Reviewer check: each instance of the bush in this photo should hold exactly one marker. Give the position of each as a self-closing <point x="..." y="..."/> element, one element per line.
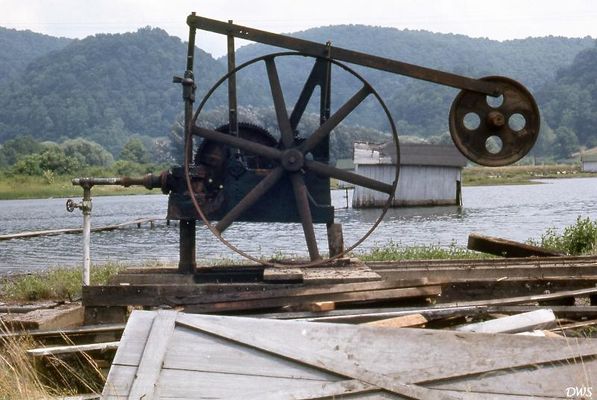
<point x="577" y="239"/>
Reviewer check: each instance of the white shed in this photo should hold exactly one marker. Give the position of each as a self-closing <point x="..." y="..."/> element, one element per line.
<point x="588" y="161"/>
<point x="430" y="175"/>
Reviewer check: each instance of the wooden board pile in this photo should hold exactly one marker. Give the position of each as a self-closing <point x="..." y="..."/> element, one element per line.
<point x="168" y="355"/>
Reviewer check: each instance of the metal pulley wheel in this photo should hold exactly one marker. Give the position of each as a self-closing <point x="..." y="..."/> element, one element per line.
<point x="495" y="131"/>
<point x="292" y="157"/>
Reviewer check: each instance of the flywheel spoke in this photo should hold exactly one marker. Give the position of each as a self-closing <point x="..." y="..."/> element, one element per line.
<point x="325" y="129"/>
<point x="239" y="143"/>
<point x="302" y="205"/>
<point x="346" y="176"/>
<point x="279" y="104"/>
<point x="250" y="198"/>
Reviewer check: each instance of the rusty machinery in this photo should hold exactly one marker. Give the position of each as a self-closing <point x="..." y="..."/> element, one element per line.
<point x="240" y="172"/>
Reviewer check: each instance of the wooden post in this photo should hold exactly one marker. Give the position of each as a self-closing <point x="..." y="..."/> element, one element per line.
<point x="335" y="239"/>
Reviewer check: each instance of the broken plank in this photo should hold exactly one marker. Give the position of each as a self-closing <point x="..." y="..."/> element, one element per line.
<point x="322" y="306"/>
<point x="399" y="322"/>
<point x="64" y="316"/>
<point x="80" y="348"/>
<point x="349" y="297"/>
<point x="538" y="319"/>
<point x="506" y="248"/>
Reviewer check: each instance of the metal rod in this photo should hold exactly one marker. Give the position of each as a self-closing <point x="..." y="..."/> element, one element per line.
<point x="335" y="119"/>
<point x="350" y="56"/>
<point x="239" y="143"/>
<point x="346" y="176"/>
<point x="86" y="208"/>
<point x="232" y="103"/>
<point x="279" y="104"/>
<point x="304" y="211"/>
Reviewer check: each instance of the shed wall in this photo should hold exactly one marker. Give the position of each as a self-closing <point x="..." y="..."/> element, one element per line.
<point x="417" y="186"/>
<point x="589" y="166"/>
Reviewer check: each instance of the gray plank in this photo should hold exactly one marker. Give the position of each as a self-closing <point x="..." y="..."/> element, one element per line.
<point x="551" y="380"/>
<point x="118" y="383"/>
<point x="215" y="354"/>
<point x="412" y="355"/>
<point x="144" y="386"/>
<point x="206" y="385"/>
<point x="315" y="350"/>
<point x="133" y="338"/>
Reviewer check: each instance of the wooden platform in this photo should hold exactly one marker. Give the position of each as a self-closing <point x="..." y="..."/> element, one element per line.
<point x="167" y="354"/>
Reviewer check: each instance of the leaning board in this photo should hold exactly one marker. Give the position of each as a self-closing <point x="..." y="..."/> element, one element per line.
<point x="171" y="355"/>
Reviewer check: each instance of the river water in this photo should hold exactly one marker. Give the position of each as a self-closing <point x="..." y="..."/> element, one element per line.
<point x="513" y="212"/>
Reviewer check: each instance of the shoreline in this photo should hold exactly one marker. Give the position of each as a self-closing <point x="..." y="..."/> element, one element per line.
<point x="28" y="187"/>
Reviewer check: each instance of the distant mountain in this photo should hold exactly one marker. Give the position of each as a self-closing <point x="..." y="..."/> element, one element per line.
<point x="570" y="103"/>
<point x="19" y="48"/>
<point x="108" y="87"/>
<point x="104" y="87"/>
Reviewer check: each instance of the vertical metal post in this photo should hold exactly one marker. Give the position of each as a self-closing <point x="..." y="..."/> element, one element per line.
<point x="187" y="229"/>
<point x="86" y="209"/>
<point x="232" y="105"/>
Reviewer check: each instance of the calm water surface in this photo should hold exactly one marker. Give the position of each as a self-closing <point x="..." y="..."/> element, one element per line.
<point x="514" y="212"/>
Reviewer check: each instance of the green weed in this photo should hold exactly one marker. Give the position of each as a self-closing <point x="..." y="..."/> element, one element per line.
<point x="577" y="239"/>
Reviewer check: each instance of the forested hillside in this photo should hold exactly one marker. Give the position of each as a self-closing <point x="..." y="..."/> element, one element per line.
<point x="111" y="87"/>
<point x="421" y="108"/>
<point x="19" y="48"/>
<point x="570" y="103"/>
<point x="104" y="88"/>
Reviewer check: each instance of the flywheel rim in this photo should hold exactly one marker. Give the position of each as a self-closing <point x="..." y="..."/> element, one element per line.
<point x="195" y="129"/>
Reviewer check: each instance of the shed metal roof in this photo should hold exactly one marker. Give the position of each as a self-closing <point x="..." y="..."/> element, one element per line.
<point x="446" y="155"/>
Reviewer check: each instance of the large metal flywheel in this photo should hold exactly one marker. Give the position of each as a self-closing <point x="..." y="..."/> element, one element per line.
<point x="280" y="179"/>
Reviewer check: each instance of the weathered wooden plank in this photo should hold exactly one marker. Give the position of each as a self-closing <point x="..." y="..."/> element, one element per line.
<point x="53" y="232"/>
<point x="189" y="384"/>
<point x="25" y="308"/>
<point x="133" y="338"/>
<point x="487" y="262"/>
<point x="64" y="316"/>
<point x="118" y="382"/>
<point x="399" y="322"/>
<point x="549" y="381"/>
<point x="145" y="384"/>
<point x="318" y="358"/>
<point x="506" y="248"/>
<point x="155" y="295"/>
<point x="374" y="295"/>
<point x="322" y="306"/>
<point x="81" y="348"/>
<point x="420" y="360"/>
<point x="80" y="335"/>
<point x="213" y="354"/>
<point x="538" y="319"/>
<point x="470" y="307"/>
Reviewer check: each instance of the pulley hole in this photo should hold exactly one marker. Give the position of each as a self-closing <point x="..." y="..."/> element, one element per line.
<point x="494" y="144"/>
<point x="495" y="102"/>
<point x="517" y="122"/>
<point x="471" y="121"/>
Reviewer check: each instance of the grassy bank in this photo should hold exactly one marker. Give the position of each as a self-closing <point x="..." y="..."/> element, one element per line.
<point x="43" y="187"/>
<point x="520" y="174"/>
<point x="37" y="187"/>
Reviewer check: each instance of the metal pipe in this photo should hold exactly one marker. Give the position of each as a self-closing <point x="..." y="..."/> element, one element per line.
<point x="86" y="208"/>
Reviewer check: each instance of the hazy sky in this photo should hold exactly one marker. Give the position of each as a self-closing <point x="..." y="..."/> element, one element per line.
<point x="503" y="19"/>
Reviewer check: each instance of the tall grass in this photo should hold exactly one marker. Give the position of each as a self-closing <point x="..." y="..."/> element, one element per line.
<point x="61" y="283"/>
<point x="25" y="377"/>
<point x="577" y="239"/>
<point x="394" y="251"/>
